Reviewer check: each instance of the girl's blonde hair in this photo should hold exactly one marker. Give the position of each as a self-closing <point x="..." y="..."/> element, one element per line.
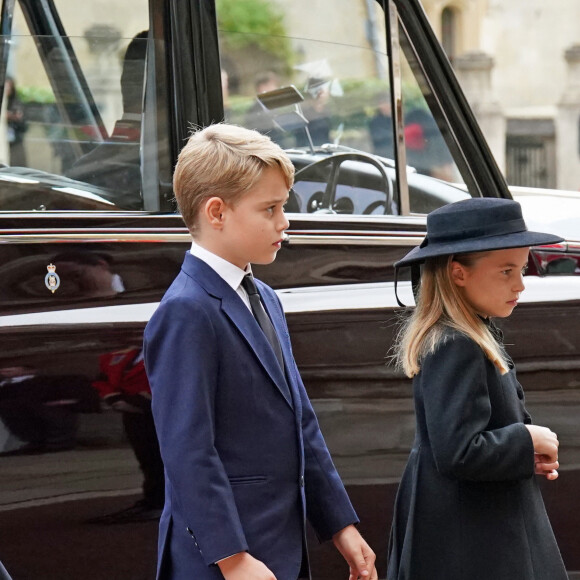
<point x="224" y="161"/>
<point x="441" y="305"/>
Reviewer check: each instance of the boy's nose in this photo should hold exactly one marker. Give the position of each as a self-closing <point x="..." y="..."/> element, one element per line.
<point x="520" y="286"/>
<point x="284" y="223"/>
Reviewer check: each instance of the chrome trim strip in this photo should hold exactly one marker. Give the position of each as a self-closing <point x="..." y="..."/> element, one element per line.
<point x="304" y="217"/>
<point x="41" y="231"/>
<point x="416" y="219"/>
<point x="75" y="214"/>
<point x="301" y="237"/>
<point x="353" y="240"/>
<point x="354" y="233"/>
<point x="42" y="238"/>
<point x="158" y="235"/>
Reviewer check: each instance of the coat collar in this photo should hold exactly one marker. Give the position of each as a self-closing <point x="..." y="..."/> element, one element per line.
<point x="235" y="309"/>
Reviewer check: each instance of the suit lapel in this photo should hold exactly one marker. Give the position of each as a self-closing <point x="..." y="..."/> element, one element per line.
<point x="235" y="309"/>
<point x="239" y="314"/>
<point x="276" y="314"/>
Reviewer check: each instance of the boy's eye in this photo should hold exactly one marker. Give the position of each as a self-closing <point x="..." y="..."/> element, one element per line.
<point x="525" y="270"/>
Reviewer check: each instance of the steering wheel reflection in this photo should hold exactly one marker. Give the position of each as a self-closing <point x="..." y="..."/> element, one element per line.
<point x="331" y="171"/>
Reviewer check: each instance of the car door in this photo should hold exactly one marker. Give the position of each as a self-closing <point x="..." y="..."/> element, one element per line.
<point x="379" y="133"/>
<point x="355" y="209"/>
<point x="389" y="142"/>
<point x="88" y="241"/>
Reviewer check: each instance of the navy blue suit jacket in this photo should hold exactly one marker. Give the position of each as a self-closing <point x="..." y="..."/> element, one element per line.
<point x="244" y="464"/>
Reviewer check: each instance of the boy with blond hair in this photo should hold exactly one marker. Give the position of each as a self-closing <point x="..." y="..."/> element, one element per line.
<point x="244" y="457"/>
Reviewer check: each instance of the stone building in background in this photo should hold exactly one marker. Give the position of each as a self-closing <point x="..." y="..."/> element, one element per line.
<point x="519" y="64"/>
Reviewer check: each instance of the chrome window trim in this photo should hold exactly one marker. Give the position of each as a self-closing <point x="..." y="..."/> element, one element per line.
<point x="418" y="219"/>
<point x="395" y="77"/>
<point x="414" y="219"/>
<point x="76" y="214"/>
<point x="301" y="237"/>
<point x="354" y="239"/>
<point x="44" y="238"/>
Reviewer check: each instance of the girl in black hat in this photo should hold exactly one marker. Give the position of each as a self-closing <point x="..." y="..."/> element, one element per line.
<point x="469" y="506"/>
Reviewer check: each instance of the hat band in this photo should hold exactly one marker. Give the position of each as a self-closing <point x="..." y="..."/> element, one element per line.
<point x="507" y="227"/>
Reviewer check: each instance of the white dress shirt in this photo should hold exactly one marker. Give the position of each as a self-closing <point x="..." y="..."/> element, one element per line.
<point x="230" y="273"/>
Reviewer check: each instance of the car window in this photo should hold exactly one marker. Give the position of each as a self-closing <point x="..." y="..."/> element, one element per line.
<point x="426" y="131"/>
<point x="339" y="82"/>
<point x="322" y="92"/>
<point x="72" y="120"/>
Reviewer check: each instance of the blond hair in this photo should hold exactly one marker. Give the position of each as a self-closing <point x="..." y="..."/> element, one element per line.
<point x="441" y="306"/>
<point x="223" y="161"/>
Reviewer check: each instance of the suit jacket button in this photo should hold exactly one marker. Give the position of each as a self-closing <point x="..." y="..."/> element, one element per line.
<point x="301" y="480"/>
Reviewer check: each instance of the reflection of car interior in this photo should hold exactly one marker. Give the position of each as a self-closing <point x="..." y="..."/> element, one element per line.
<point x="116" y="163"/>
<point x="25" y="188"/>
<point x="107" y="175"/>
<point x="361" y="184"/>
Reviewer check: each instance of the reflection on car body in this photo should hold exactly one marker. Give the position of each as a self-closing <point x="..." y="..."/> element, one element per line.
<point x="117" y="246"/>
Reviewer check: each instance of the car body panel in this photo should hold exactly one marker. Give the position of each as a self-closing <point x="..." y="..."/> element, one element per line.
<point x="334" y="276"/>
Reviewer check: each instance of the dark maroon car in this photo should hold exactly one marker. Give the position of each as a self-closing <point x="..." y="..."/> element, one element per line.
<point x="367" y="106"/>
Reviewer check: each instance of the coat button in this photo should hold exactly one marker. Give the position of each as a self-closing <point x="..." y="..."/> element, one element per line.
<point x="301" y="481"/>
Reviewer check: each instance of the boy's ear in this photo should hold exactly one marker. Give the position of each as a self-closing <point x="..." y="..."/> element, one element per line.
<point x="213" y="211"/>
<point x="457" y="273"/>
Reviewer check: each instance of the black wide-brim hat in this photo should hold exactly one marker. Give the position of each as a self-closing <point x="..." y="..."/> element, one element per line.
<point x="475" y="225"/>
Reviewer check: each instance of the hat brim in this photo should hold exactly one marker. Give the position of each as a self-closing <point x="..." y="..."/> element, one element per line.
<point x="503" y="242"/>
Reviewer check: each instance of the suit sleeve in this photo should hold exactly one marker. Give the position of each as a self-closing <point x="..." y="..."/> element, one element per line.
<point x="328" y="507"/>
<point x="182" y="365"/>
<point x="453" y="382"/>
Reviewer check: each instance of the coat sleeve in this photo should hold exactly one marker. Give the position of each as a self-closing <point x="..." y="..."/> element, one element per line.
<point x="328" y="507"/>
<point x="181" y="358"/>
<point x="453" y="383"/>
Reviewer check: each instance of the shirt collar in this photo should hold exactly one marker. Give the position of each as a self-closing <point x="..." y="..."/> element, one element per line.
<point x="229" y="272"/>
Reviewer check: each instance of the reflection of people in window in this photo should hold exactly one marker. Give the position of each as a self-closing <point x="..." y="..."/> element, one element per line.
<point x="115" y="165"/>
<point x="381" y="128"/>
<point x="16" y="124"/>
<point x="426" y="149"/>
<point x="259" y="117"/>
<point x="315" y="109"/>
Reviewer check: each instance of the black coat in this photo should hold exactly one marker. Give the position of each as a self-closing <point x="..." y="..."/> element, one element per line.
<point x="469" y="506"/>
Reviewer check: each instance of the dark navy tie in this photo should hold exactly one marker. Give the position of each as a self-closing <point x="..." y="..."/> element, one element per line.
<point x="262" y="317"/>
